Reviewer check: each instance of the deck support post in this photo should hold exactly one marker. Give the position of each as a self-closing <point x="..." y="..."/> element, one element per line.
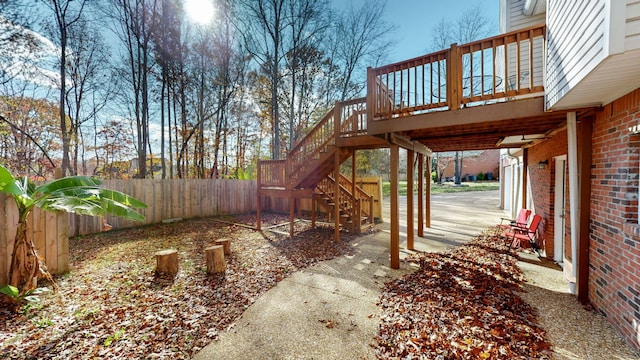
<point x="259" y="203"/>
<point x="357" y="214"/>
<point x="394" y="246"/>
<point x="410" y="227"/>
<point x="420" y="194"/>
<point x="525" y="176"/>
<point x="427" y="195"/>
<point x="314" y="203"/>
<point x="292" y="207"/>
<point x="585" y="129"/>
<point x="336" y="194"/>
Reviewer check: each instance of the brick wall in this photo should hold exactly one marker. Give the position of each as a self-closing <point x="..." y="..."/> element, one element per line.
<point x="486" y="161"/>
<point x="614" y="278"/>
<point x="614" y="250"/>
<point x="542" y="185"/>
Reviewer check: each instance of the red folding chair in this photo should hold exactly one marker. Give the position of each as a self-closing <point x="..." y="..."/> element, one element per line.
<point x="520" y="221"/>
<point x="520" y="236"/>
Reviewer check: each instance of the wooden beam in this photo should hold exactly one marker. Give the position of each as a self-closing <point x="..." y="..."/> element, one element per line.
<point x="362" y="142"/>
<point x="420" y="195"/>
<point x="585" y="128"/>
<point x="394" y="246"/>
<point x="510" y="110"/>
<point x="406" y="143"/>
<point x="410" y="228"/>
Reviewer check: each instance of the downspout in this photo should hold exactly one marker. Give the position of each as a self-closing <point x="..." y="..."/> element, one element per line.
<point x="515" y="189"/>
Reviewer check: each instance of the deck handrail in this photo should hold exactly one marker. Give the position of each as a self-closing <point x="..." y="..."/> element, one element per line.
<point x="365" y="199"/>
<point x="498" y="68"/>
<point x="272" y="173"/>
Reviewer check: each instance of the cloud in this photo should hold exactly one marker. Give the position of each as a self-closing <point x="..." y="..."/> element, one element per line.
<point x="27" y="55"/>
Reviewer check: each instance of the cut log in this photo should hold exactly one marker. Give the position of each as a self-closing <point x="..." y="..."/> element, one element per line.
<point x="215" y="259"/>
<point x="167" y="262"/>
<point x="226" y="244"/>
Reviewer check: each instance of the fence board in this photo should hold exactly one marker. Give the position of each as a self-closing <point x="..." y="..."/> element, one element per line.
<point x="5" y="256"/>
<point x="51" y="239"/>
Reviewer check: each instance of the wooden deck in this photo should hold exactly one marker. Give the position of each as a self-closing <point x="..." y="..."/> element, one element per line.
<point x="467" y="97"/>
<point x="482" y="95"/>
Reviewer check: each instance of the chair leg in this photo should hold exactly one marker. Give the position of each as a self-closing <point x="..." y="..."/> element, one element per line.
<point x="515" y="243"/>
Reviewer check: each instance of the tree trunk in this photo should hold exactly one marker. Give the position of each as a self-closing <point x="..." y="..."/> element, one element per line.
<point x="167" y="262"/>
<point x="24" y="261"/>
<point x="215" y="259"/>
<point x="226" y="245"/>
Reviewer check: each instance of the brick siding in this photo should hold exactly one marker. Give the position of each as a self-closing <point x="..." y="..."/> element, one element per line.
<point x="542" y="183"/>
<point x="614" y="278"/>
<point x="614" y="232"/>
<point x="486" y="161"/>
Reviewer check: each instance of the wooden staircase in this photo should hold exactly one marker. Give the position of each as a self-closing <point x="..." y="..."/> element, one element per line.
<point x="355" y="206"/>
<point x="310" y="167"/>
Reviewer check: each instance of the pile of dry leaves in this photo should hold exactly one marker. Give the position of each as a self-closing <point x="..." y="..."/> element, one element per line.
<point x="461" y="304"/>
<point x="112" y="305"/>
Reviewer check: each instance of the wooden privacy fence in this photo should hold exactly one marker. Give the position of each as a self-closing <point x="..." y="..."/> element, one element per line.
<point x="166" y="199"/>
<point x="174" y="198"/>
<point x="48" y="231"/>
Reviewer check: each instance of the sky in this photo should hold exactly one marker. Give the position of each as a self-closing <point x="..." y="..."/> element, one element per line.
<point x="414" y="21"/>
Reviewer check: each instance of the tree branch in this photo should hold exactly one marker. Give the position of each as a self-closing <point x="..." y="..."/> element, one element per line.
<point x="30" y="138"/>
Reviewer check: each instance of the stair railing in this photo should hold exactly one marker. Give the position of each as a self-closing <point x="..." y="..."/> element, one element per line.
<point x="310" y="147"/>
<point x="360" y="196"/>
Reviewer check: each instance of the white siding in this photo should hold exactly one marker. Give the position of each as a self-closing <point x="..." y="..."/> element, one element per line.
<point x="515" y="19"/>
<point x="576" y="43"/>
<point x="632" y="26"/>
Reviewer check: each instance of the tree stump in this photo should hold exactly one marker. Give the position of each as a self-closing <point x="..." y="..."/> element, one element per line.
<point x="215" y="259"/>
<point x="226" y="244"/>
<point x="167" y="262"/>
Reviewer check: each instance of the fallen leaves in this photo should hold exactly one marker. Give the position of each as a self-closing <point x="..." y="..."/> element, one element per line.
<point x="460" y="304"/>
<point x="112" y="305"/>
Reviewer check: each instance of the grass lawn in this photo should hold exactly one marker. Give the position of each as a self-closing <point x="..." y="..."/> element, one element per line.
<point x="444" y="188"/>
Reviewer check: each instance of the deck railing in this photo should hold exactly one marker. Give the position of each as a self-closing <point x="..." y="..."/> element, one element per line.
<point x="272" y="173"/>
<point x="353" y="117"/>
<point x="494" y="69"/>
<point x="360" y="195"/>
<point x="353" y="122"/>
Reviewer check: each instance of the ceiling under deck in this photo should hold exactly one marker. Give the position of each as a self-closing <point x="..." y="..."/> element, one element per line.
<point x="487" y="135"/>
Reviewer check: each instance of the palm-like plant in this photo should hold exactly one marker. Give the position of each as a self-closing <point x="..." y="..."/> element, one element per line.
<point x="75" y="194"/>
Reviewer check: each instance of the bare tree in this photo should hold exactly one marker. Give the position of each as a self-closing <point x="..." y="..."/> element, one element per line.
<point x="363" y="36"/>
<point x="133" y="20"/>
<point x="308" y="21"/>
<point x="66" y="14"/>
<point x="263" y="25"/>
<point x="89" y="84"/>
<point x="471" y="25"/>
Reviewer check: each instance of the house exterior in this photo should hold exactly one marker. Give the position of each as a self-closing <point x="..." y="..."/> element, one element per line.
<point x="583" y="177"/>
<point x="473" y="163"/>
